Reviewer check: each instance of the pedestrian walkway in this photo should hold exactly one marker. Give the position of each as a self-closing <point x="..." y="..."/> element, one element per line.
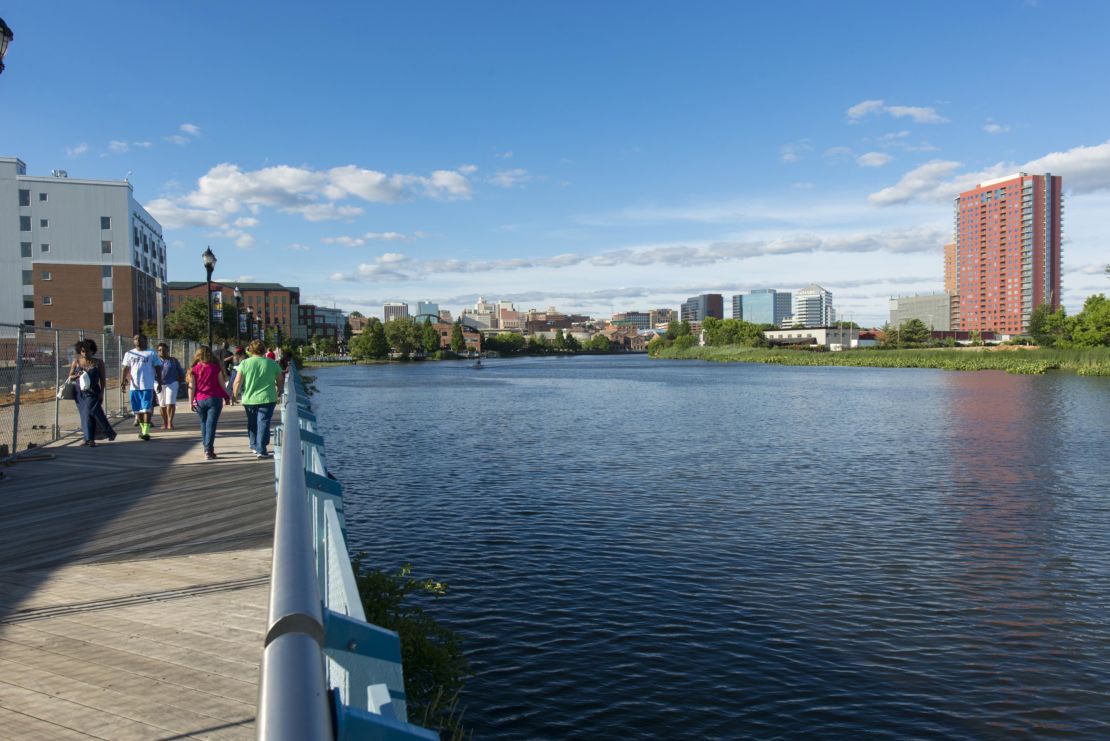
<point x="133" y="587"/>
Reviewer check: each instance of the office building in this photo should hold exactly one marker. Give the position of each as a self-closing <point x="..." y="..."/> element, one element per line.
<point x="698" y="308"/>
<point x="764" y="306"/>
<point x="661" y="316"/>
<point x="394" y="310"/>
<point x="271" y="306"/>
<point x="427" y="309"/>
<point x="813" y="307"/>
<point x="1008" y="251"/>
<point x="637" y="319"/>
<point x="77" y="254"/>
<point x="934" y="311"/>
<point x="323" y="321"/>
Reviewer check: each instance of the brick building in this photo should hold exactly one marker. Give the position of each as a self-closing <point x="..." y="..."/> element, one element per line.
<point x="275" y="305"/>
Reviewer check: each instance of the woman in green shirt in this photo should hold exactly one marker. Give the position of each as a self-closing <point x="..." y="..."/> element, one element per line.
<point x="259" y="380"/>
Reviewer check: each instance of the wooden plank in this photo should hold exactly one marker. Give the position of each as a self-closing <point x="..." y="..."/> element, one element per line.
<point x="27" y="728"/>
<point x="141" y="708"/>
<point x="75" y="716"/>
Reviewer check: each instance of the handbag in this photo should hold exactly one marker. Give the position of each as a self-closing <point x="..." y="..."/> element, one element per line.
<point x="67" y="391"/>
<point x="83" y="381"/>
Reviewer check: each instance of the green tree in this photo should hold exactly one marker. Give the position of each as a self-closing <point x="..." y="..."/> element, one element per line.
<point x="571" y="343"/>
<point x="656" y="344"/>
<point x="1091" y="326"/>
<point x="599" y="343"/>
<point x="732" y="332"/>
<point x="559" y="342"/>
<point x="685" y="341"/>
<point x="458" y="341"/>
<point x="914" y="333"/>
<point x="327" y="346"/>
<point x="429" y="336"/>
<point x="403" y="336"/>
<point x="507" y="343"/>
<point x="538" y="344"/>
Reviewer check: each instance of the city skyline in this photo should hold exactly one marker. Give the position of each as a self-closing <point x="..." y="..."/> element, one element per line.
<point x="443" y="152"/>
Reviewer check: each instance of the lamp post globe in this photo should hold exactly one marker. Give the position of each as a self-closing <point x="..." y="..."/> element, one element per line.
<point x="238" y="313"/>
<point x="6" y="36"/>
<point x="209" y="265"/>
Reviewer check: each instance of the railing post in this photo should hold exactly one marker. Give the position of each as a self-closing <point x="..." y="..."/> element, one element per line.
<point x="119" y="374"/>
<point x="18" y="384"/>
<point x="57" y="383"/>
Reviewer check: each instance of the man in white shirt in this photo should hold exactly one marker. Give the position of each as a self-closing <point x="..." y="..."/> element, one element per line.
<point x="142" y="368"/>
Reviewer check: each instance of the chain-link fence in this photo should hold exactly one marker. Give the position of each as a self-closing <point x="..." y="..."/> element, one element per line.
<point x="35" y="361"/>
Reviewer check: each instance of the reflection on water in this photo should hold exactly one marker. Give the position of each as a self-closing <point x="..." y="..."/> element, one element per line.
<point x="706" y="550"/>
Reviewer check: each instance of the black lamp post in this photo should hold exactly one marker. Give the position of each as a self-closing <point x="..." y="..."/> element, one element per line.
<point x="6" y="36"/>
<point x="238" y="312"/>
<point x="250" y="323"/>
<point x="209" y="266"/>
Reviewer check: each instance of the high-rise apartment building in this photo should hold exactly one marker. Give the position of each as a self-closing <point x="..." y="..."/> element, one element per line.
<point x="697" y="308"/>
<point x="950" y="268"/>
<point x="813" y="307"/>
<point x="1007" y="261"/>
<point x="80" y="254"/>
<point x="763" y="306"/>
<point x="934" y="311"/>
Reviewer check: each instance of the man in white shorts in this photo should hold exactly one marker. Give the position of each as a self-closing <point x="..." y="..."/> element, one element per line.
<point x="172" y="375"/>
<point x="143" y="370"/>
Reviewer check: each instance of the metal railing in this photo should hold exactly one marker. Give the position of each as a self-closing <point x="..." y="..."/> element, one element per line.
<point x="34" y="362"/>
<point x="326" y="673"/>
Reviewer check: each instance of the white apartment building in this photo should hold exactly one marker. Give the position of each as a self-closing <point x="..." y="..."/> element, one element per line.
<point x="80" y="254"/>
<point x="813" y="307"/>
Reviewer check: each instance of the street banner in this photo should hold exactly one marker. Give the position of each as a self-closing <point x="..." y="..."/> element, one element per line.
<point x="217" y="306"/>
<point x="243" y="323"/>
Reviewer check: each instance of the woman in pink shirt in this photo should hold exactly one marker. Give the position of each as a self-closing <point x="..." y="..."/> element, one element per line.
<point x="207" y="393"/>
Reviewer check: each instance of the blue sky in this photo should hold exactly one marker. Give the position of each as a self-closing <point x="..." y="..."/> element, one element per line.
<point x="591" y="156"/>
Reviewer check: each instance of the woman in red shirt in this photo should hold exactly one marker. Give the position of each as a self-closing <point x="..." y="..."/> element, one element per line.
<point x="207" y="394"/>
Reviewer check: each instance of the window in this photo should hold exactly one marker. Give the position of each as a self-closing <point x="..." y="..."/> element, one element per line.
<point x="28" y="302"/>
<point x="44" y="247"/>
<point x="25" y="249"/>
<point x="46" y="275"/>
<point x="24" y="223"/>
<point x="44" y="223"/>
<point x="107" y="319"/>
<point x="28" y="322"/>
<point x="136" y="229"/>
<point x="24" y="197"/>
<point x="105" y="246"/>
<point x="106" y="271"/>
<point x="44" y="197"/>
<point x="28" y="277"/>
<point x="47" y="301"/>
<point x="107" y="294"/>
<point x="105" y="222"/>
<point x="48" y="324"/>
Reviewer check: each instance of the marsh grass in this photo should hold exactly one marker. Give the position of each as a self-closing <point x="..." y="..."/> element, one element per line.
<point x="1086" y="362"/>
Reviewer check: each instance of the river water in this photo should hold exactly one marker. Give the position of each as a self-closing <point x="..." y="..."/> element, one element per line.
<point x="671" y="549"/>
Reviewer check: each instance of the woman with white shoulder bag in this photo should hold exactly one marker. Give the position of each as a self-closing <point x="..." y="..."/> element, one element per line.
<point x="88" y="377"/>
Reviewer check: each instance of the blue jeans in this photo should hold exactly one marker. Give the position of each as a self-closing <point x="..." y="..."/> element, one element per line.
<point x="209" y="412"/>
<point x="258" y="425"/>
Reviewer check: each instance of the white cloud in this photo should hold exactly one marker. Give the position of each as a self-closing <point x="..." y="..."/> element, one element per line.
<point x="297" y="247"/>
<point x="1084" y="169"/>
<point x="348" y="241"/>
<point x="873" y="159"/>
<point x="919" y="114"/>
<point x="996" y="128"/>
<point x="511" y="178"/>
<point x="117" y="147"/>
<point x="190" y="129"/>
<point x="247" y="222"/>
<point x="172" y="215"/>
<point x="863" y="109"/>
<point x="324" y="211"/>
<point x="245" y="241"/>
<point x="176" y="139"/>
<point x="142" y="145"/>
<point x="77" y="151"/>
<point x="794" y="151"/>
<point x="506" y="155"/>
<point x="468" y="169"/>
<point x="838" y="154"/>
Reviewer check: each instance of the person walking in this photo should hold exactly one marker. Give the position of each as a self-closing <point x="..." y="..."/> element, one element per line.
<point x="259" y="380"/>
<point x="89" y="395"/>
<point x="142" y="369"/>
<point x="232" y="366"/>
<point x="172" y="376"/>
<point x="207" y="394"/>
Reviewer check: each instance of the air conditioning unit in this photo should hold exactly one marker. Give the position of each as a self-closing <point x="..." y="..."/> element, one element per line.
<point x="60" y="174"/>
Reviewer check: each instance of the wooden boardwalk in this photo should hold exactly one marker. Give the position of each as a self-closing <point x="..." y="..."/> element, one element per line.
<point x="134" y="579"/>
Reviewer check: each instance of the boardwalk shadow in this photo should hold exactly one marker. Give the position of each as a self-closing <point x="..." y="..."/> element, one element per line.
<point x="131" y="499"/>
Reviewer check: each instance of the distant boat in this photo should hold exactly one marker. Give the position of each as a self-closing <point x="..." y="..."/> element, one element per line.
<point x="477" y="365"/>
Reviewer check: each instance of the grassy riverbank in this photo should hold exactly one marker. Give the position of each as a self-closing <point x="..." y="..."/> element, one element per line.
<point x="1086" y="362"/>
